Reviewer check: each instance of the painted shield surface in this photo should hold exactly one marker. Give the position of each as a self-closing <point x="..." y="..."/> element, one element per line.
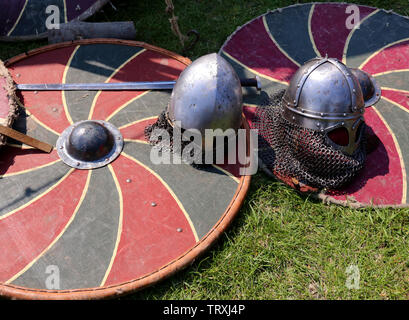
<point x="114" y="229"/>
<point x="26" y="19"/>
<point x="276" y="44"/>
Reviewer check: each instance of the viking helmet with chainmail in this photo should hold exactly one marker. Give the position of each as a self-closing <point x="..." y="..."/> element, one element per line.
<point x="316" y="133"/>
<point x="207" y="95"/>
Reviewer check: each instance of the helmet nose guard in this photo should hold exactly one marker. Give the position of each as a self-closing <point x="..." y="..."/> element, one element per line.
<point x="325" y="95"/>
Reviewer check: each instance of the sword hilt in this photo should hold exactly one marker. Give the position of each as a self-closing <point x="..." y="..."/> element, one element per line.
<point x="251" y="82"/>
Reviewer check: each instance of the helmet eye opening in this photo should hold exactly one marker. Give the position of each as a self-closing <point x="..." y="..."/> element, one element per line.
<point x="339" y="136"/>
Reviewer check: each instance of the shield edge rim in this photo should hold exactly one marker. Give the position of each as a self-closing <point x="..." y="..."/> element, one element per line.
<point x="172" y="267"/>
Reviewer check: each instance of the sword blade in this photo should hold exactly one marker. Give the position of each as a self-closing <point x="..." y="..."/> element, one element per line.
<point x="145" y="85"/>
<point x="141" y="85"/>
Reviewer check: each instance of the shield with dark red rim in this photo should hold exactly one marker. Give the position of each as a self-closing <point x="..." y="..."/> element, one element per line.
<point x="277" y="43"/>
<point x="26" y="19"/>
<point x="69" y="233"/>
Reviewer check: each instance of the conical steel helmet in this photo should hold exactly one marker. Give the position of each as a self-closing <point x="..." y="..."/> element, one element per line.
<point x="207" y="95"/>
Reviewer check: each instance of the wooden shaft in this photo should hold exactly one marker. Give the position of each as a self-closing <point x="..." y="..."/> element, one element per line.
<point x="30" y="141"/>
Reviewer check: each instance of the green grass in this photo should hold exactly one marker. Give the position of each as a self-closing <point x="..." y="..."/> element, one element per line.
<point x="286" y="246"/>
<point x="282" y="245"/>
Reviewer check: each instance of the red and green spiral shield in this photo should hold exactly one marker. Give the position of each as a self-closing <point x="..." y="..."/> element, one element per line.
<point x="114" y="229"/>
<point x="277" y="43"/>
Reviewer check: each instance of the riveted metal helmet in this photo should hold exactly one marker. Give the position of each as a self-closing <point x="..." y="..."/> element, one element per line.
<point x="312" y="135"/>
<point x="325" y="95"/>
<point x="207" y="95"/>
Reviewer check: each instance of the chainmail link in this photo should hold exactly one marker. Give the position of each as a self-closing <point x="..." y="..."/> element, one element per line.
<point x="154" y="134"/>
<point x="288" y="150"/>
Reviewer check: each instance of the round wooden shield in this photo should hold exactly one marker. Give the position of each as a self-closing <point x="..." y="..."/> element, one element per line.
<point x="26" y="19"/>
<point x="80" y="234"/>
<point x="276" y="44"/>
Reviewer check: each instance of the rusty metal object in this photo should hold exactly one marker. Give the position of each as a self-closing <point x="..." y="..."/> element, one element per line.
<point x="174" y="25"/>
<point x="196" y="37"/>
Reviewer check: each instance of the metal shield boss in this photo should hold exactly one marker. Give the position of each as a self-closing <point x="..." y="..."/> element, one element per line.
<point x="89" y="144"/>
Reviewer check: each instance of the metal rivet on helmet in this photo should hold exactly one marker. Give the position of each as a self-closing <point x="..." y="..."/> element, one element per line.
<point x="325" y="94"/>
